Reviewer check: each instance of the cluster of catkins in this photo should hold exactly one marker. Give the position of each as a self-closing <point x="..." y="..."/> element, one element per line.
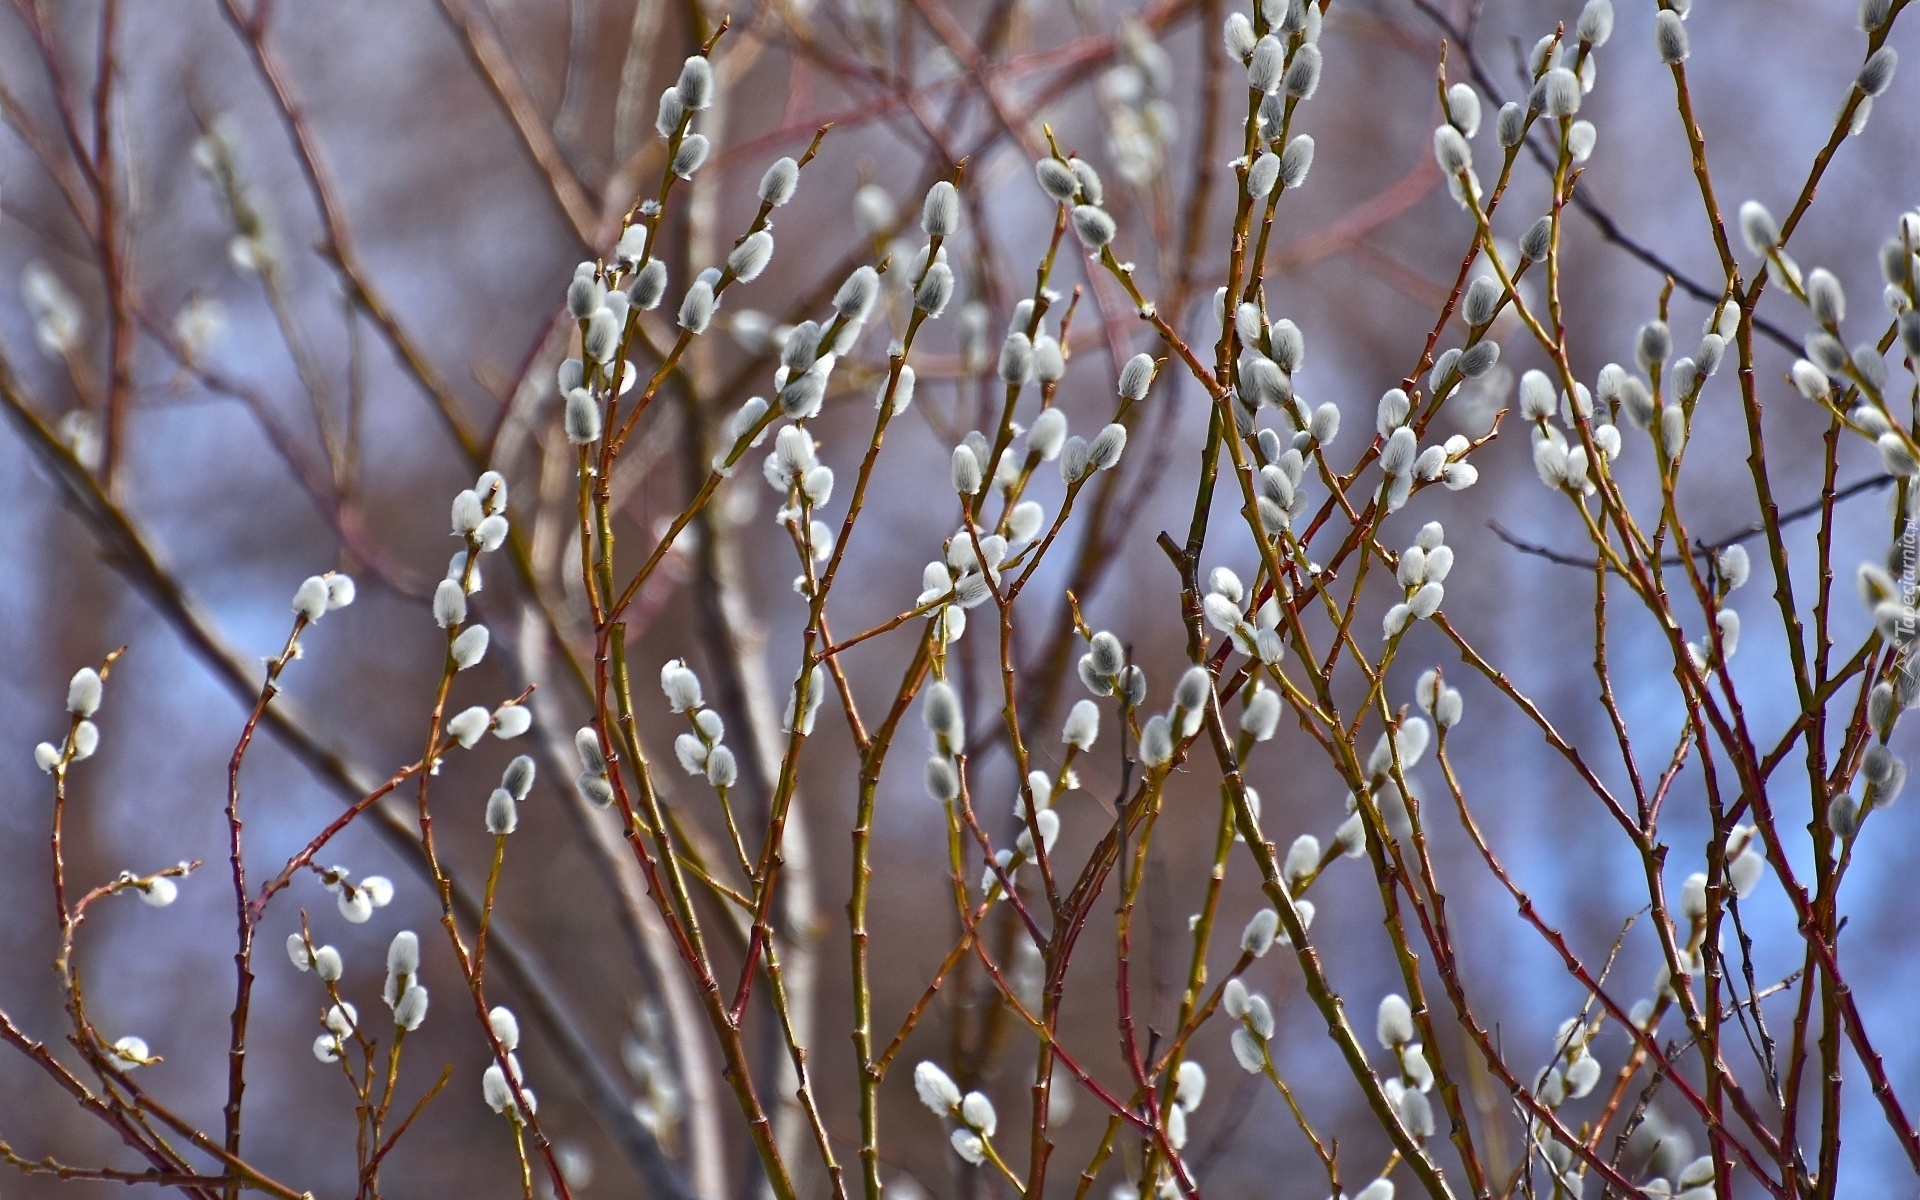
<point x="700" y="750"/>
<point x="480" y="522"/>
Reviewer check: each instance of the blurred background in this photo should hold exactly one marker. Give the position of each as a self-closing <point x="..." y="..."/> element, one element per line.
<point x="341" y="234"/>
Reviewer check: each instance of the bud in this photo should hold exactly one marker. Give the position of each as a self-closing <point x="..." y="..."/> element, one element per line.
<point x="1262" y="175"/>
<point x="696" y="307"/>
<point x="1511" y="124"/>
<point x="1825" y="299"/>
<point x="1057" y="180"/>
<point x="1394" y="1022"/>
<point x="1562" y="93"/>
<point x="1758" y="228"/>
<point x="1296" y="160"/>
<point x="466" y="727"/>
<point x="751" y="256"/>
<point x="691" y="154"/>
<point x="1451" y="151"/>
<point x="940" y="215"/>
<point x="1267" y="65"/>
<point x="1482" y="300"/>
<point x="1463" y="109"/>
<point x="943" y="718"/>
<point x="936" y="1089"/>
<point x="1092" y="226"/>
<point x="1016" y="360"/>
<point x="469" y="647"/>
<point x="1303" y="73"/>
<point x="1091" y="189"/>
<point x="648" y="286"/>
<point x="1262" y="715"/>
<point x="1105" y="449"/>
<point x="1135" y="378"/>
<point x="503" y="814"/>
<point x="449" y="604"/>
<point x="1156" y="742"/>
<point x="777" y="185"/>
<point x="1083" y="725"/>
<point x="966" y="472"/>
<point x="582" y="418"/>
<point x="1670" y="37"/>
<point x="936" y="288"/>
<point x="696" y="83"/>
<point x="1877" y="72"/>
<point x="1595" y="25"/>
<point x="1257" y="938"/>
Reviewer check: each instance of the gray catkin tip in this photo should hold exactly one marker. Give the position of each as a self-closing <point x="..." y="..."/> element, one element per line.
<point x="1670" y="37"/>
<point x="778" y="184"/>
<point x="1511" y="125"/>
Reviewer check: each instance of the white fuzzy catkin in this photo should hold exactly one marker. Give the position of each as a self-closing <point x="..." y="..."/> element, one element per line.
<point x="1057" y="179"/>
<point x="1451" y="151"/>
<point x="1463" y="109"/>
<point x="1156" y="742"/>
<point x="310" y="599"/>
<point x="1267" y="65"/>
<point x="469" y="647"/>
<point x="940" y="215"/>
<point x="1105" y="449"/>
<point x="1082" y="725"/>
<point x="1877" y="73"/>
<point x="582" y="418"/>
<point x="1092" y="226"/>
<point x="778" y="184"/>
<point x="751" y="256"/>
<point x="935" y="290"/>
<point x="503" y="815"/>
<point x="1296" y="160"/>
<point x="468" y="726"/>
<point x="691" y="154"/>
<point x="84" y="692"/>
<point x="449" y="604"/>
<point x="1393" y="1024"/>
<point x="936" y="1089"/>
<point x="1670" y="37"/>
